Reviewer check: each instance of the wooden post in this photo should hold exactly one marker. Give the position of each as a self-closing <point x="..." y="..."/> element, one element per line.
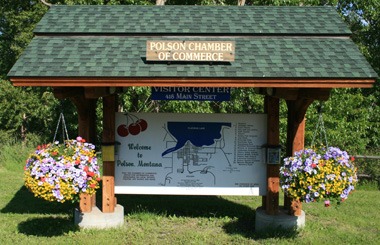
<point x="86" y="117"/>
<point x="295" y="140"/>
<point x="108" y="199"/>
<point x="86" y="129"/>
<point x="272" y="108"/>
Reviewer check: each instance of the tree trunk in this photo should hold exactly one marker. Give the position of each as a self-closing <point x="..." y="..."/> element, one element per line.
<point x="23" y="129"/>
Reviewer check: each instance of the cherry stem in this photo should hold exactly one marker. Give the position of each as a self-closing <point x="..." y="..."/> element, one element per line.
<point x="132" y="117"/>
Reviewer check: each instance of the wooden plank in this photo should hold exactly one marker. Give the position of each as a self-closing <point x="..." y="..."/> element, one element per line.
<point x="85" y="203"/>
<point x="191" y="82"/>
<point x="87" y="130"/>
<point x="299" y="93"/>
<point x="67" y="92"/>
<point x="86" y="117"/>
<point x="272" y="108"/>
<point x="108" y="136"/>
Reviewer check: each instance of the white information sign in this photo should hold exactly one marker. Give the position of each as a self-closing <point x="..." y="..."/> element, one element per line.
<point x="190" y="154"/>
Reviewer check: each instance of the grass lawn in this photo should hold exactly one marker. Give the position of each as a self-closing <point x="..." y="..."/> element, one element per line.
<point x="178" y="219"/>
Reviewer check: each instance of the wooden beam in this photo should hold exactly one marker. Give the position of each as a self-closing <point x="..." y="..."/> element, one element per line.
<point x="67" y="92"/>
<point x="302" y="93"/>
<point x="108" y="198"/>
<point x="86" y="117"/>
<point x="272" y="108"/>
<point x="87" y="129"/>
<point x="191" y="82"/>
<point x="297" y="93"/>
<point x="96" y="92"/>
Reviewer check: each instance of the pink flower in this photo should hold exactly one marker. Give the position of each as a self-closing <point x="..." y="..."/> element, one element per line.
<point x="327" y="203"/>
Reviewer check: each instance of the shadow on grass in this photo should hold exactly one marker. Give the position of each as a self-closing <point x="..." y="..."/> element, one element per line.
<point x="24" y="202"/>
<point x="203" y="206"/>
<point x="240" y="227"/>
<point x="243" y="216"/>
<point x="185" y="206"/>
<point x="47" y="227"/>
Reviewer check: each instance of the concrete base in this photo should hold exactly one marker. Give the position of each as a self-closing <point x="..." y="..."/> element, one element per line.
<point x="282" y="220"/>
<point x="98" y="220"/>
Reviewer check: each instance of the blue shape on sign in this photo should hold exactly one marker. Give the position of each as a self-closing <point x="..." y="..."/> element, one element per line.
<point x="198" y="133"/>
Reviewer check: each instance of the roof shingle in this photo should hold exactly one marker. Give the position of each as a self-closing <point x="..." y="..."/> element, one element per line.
<point x="255" y="58"/>
<point x="270" y="43"/>
<point x="206" y="20"/>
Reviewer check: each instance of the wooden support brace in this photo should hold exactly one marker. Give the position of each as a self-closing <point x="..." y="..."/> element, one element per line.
<point x="295" y="140"/>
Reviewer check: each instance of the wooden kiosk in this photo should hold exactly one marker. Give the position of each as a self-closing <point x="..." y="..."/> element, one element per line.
<point x="293" y="53"/>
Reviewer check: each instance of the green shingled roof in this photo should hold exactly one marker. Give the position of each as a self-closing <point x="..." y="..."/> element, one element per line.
<point x="271" y="42"/>
<point x="230" y="20"/>
<point x="258" y="58"/>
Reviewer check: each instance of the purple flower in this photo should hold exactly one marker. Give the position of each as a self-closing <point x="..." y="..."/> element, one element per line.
<point x="308" y="198"/>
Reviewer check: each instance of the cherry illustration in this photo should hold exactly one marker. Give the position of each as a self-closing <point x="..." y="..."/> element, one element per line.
<point x="143" y="124"/>
<point x="134" y="128"/>
<point x="122" y="130"/>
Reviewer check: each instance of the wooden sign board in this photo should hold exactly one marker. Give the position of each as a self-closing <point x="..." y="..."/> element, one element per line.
<point x="191" y="154"/>
<point x="200" y="51"/>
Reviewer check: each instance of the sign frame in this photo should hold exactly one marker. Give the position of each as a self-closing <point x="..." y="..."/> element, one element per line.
<point x="141" y="158"/>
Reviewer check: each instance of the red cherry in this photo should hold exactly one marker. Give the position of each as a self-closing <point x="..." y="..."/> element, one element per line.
<point x="134" y="128"/>
<point x="143" y="124"/>
<point x="122" y="130"/>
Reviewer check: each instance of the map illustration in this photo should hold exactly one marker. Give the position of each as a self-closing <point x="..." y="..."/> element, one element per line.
<point x="196" y="143"/>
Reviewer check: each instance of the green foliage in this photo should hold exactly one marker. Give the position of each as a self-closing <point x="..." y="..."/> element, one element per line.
<point x="363" y="18"/>
<point x="104" y="2"/>
<point x="346" y="118"/>
<point x="137" y="99"/>
<point x="30" y="114"/>
<point x="17" y="20"/>
<point x="13" y="156"/>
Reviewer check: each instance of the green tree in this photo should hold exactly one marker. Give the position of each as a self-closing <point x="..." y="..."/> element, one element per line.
<point x="17" y="21"/>
<point x="363" y="17"/>
<point x="26" y="114"/>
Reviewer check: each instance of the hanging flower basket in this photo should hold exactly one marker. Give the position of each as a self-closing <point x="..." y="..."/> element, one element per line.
<point x="61" y="172"/>
<point x="318" y="175"/>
